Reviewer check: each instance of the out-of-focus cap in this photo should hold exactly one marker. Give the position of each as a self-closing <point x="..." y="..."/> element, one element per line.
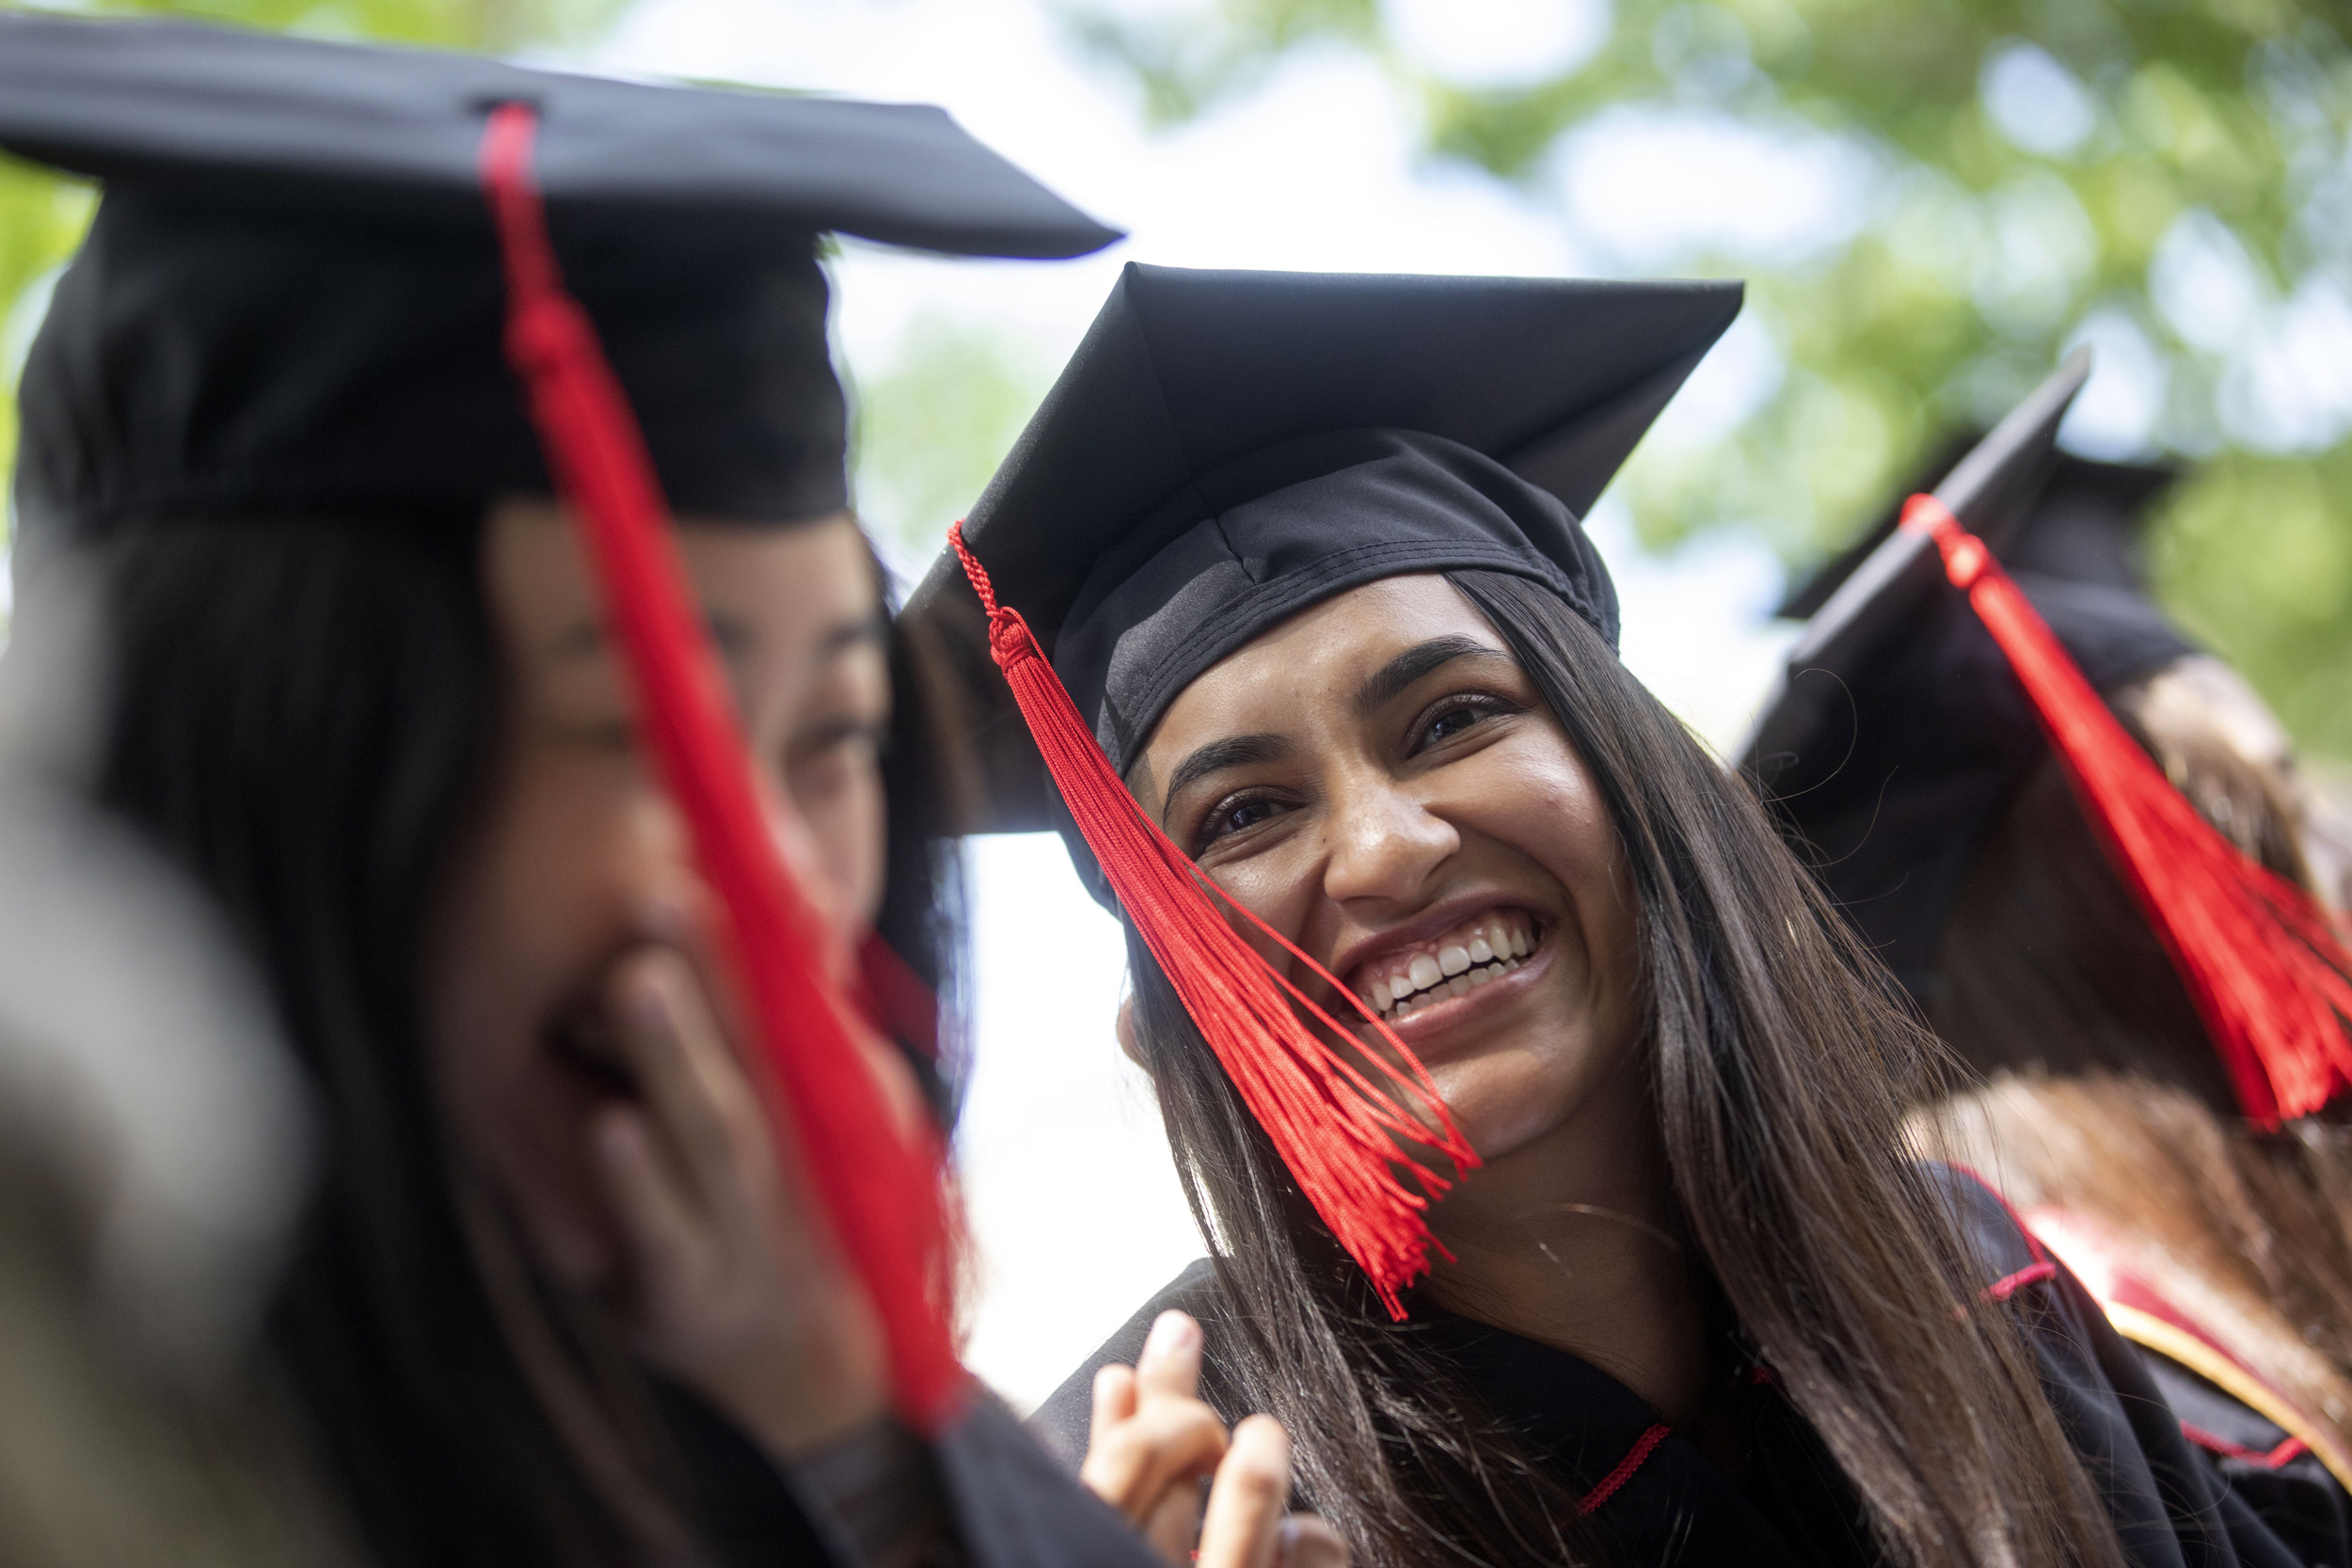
<point x="290" y="301"/>
<point x="1901" y="730"/>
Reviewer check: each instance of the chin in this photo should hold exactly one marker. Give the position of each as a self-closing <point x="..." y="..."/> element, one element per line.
<point x="1502" y="1107"/>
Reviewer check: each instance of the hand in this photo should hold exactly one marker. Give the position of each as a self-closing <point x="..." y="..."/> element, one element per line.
<point x="1153" y="1441"/>
<point x="731" y="1282"/>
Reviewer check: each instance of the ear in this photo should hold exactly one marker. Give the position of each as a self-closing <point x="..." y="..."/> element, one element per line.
<point x="1130" y="1042"/>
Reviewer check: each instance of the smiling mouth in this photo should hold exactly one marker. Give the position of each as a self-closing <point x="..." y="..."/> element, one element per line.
<point x="582" y="1040"/>
<point x="1476" y="953"/>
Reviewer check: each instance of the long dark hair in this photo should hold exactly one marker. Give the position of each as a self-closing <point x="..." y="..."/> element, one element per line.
<point x="307" y="715"/>
<point x="1776" y="1060"/>
<point x="2106" y="1098"/>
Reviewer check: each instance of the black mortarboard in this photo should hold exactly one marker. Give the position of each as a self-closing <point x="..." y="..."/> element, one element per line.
<point x="1227" y="449"/>
<point x="1903" y="730"/>
<point x="290" y="300"/>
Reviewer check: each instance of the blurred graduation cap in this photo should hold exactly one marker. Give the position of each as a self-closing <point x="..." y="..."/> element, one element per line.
<point x="1943" y="719"/>
<point x="290" y="298"/>
<point x="1900" y="730"/>
<point x="2087" y="523"/>
<point x="338" y="283"/>
<point x="1227" y="449"/>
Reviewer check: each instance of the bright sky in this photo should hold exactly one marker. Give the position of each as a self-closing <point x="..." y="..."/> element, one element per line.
<point x="1074" y="1205"/>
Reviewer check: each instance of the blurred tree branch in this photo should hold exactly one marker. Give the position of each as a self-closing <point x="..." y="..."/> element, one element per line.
<point x="2172" y="180"/>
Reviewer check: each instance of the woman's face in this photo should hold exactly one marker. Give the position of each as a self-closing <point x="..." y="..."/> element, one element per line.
<point x="581" y="858"/>
<point x="1378" y="779"/>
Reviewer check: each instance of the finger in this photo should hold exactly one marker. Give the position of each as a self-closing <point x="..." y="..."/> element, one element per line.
<point x="1114" y="1400"/>
<point x="1130" y="1465"/>
<point x="1248" y="1498"/>
<point x="657" y="1224"/>
<point x="1305" y="1540"/>
<point x="1172" y="1528"/>
<point x="691" y="1084"/>
<point x="1170" y="1367"/>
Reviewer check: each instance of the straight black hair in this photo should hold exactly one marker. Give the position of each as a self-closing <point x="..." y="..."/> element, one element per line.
<point x="1777" y="1058"/>
<point x="307" y="715"/>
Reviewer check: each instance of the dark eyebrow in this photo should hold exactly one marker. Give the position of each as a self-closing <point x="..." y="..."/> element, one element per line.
<point x="1400" y="673"/>
<point x="1234" y="750"/>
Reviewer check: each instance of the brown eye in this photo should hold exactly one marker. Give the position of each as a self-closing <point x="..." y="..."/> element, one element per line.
<point x="1453" y="716"/>
<point x="1233" y="817"/>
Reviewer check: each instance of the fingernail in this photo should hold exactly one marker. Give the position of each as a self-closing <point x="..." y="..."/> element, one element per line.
<point x="1171" y="1333"/>
<point x="644" y="998"/>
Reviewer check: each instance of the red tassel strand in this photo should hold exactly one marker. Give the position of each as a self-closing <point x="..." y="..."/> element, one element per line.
<point x="1342" y="1131"/>
<point x="2265" y="967"/>
<point x="881" y="1190"/>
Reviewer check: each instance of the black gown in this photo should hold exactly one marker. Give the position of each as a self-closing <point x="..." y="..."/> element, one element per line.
<point x="1007" y="1504"/>
<point x="1660" y="1501"/>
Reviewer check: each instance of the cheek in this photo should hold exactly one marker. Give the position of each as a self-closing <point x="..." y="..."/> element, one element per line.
<point x="1279" y="887"/>
<point x="1566" y="1053"/>
<point x="569" y="862"/>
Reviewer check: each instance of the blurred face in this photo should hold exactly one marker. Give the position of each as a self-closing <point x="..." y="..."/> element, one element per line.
<point x="1378" y="779"/>
<point x="582" y="860"/>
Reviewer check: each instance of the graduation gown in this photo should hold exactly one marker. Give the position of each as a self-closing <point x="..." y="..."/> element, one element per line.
<point x="2286" y="1465"/>
<point x="1007" y="1504"/>
<point x="1661" y="1501"/>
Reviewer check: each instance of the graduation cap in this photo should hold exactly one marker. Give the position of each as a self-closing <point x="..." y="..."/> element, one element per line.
<point x="290" y="300"/>
<point x="330" y="282"/>
<point x="1226" y="449"/>
<point x="2086" y="524"/>
<point x="1910" y="714"/>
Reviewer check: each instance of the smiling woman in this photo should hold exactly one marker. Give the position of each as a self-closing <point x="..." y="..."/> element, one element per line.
<point x="1305" y="551"/>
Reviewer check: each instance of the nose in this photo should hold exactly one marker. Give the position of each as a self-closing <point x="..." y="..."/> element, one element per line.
<point x="1384" y="843"/>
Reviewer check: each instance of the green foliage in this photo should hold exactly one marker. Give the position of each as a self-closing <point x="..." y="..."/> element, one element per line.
<point x="932" y="425"/>
<point x="1979" y="258"/>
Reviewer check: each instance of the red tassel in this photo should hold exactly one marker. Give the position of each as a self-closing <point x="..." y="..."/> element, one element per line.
<point x="2265" y="967"/>
<point x="1339" y="1129"/>
<point x="881" y="1190"/>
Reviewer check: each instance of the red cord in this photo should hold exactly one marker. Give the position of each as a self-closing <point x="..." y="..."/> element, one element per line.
<point x="1342" y="1123"/>
<point x="1627" y="1467"/>
<point x="881" y="1190"/>
<point x="2261" y="960"/>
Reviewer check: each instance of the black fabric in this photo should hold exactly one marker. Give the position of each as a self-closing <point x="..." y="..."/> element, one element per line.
<point x="290" y="302"/>
<point x="2297" y="1498"/>
<point x="312" y="130"/>
<point x="1900" y="732"/>
<point x="1938" y="734"/>
<point x="1307" y="520"/>
<point x="1789" y="1505"/>
<point x="204" y="363"/>
<point x="2086" y="526"/>
<point x="1228" y="447"/>
<point x="1012" y="1506"/>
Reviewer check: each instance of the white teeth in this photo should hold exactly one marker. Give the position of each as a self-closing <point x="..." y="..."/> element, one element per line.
<point x="1458" y="986"/>
<point x="1425" y="971"/>
<point x="1478" y="977"/>
<point x="1480" y="950"/>
<point x="1520" y="948"/>
<point x="1381" y="995"/>
<point x="1452" y="960"/>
